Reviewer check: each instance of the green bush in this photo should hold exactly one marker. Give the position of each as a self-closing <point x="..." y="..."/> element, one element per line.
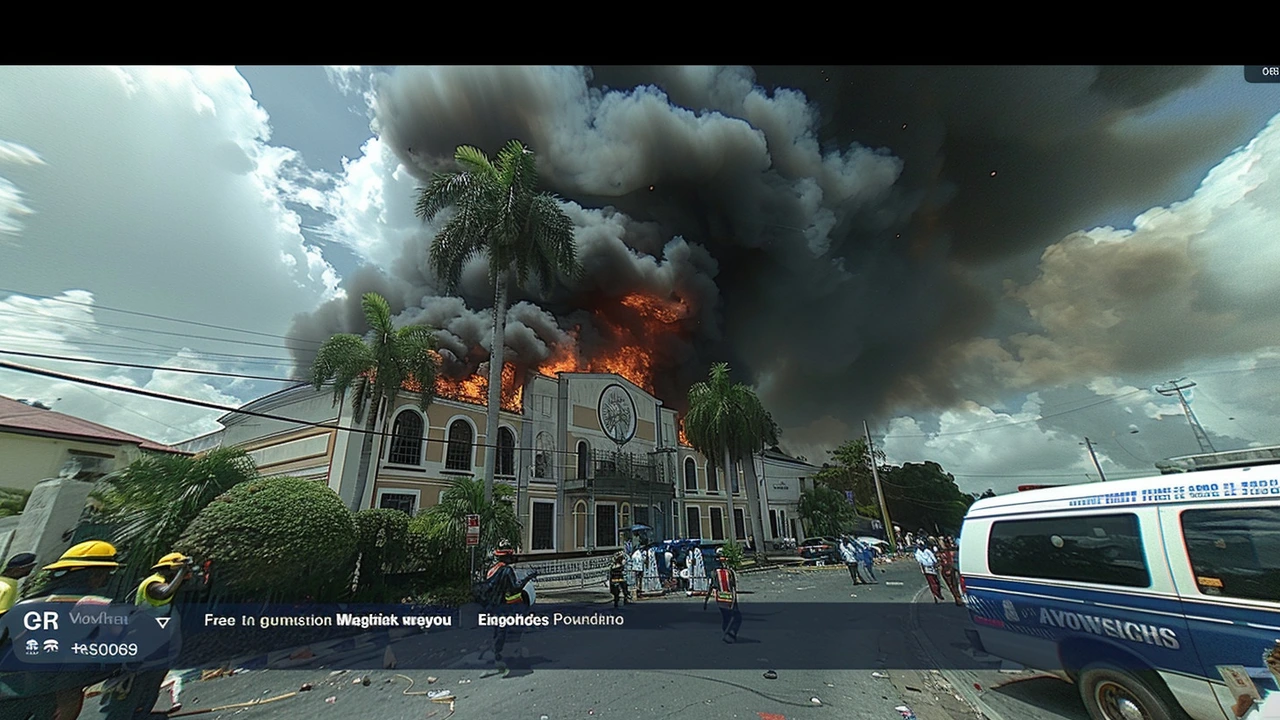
<point x="734" y="555"/>
<point x="279" y="539"/>
<point x="382" y="542"/>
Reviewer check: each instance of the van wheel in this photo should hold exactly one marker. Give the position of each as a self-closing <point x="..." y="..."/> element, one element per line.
<point x="1110" y="693"/>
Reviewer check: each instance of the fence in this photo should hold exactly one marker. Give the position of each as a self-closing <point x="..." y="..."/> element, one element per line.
<point x="565" y="575"/>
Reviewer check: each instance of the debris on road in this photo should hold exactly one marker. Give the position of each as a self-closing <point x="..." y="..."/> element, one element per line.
<point x="880" y="675"/>
<point x="771" y="716"/>
<point x="913" y="689"/>
<point x="464" y="681"/>
<point x="770" y="675"/>
<point x="331" y="699"/>
<point x="815" y="701"/>
<point x="431" y="679"/>
<point x="893" y="583"/>
<point x="365" y="681"/>
<point x="905" y="712"/>
<point x="306" y="687"/>
<point x="438" y="694"/>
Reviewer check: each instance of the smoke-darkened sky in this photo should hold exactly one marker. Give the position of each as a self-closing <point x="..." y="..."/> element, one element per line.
<point x="945" y="252"/>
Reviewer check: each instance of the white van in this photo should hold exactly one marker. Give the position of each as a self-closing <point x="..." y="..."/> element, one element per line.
<point x="1158" y="597"/>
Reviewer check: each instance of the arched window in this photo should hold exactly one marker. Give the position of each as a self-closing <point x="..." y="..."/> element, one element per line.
<point x="406" y="439"/>
<point x="584" y="459"/>
<point x="690" y="475"/>
<point x="458" y="456"/>
<point x="546" y="448"/>
<point x="506" y="453"/>
<point x="580" y="524"/>
<point x="713" y="480"/>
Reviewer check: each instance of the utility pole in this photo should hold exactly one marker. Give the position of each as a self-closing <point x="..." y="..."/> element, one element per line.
<point x="1092" y="454"/>
<point x="875" y="474"/>
<point x="1175" y="388"/>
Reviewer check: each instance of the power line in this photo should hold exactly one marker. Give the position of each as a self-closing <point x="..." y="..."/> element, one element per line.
<point x="1038" y="418"/>
<point x="153" y="316"/>
<point x="169" y="351"/>
<point x="190" y="371"/>
<point x="130" y="328"/>
<point x="4" y="364"/>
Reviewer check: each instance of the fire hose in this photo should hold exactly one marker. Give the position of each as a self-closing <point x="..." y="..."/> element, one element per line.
<point x="234" y="706"/>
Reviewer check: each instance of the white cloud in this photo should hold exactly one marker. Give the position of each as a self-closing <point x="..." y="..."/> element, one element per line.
<point x="13" y="204"/>
<point x="160" y="190"/>
<point x="57" y="327"/>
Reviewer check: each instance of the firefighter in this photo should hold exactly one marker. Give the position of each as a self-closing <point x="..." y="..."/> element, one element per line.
<point x="618" y="580"/>
<point x="505" y="593"/>
<point x="134" y="695"/>
<point x="80" y="577"/>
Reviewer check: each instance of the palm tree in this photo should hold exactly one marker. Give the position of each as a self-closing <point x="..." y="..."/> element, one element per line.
<point x="727" y="422"/>
<point x="375" y="369"/>
<point x="151" y="501"/>
<point x="444" y="525"/>
<point x="500" y="214"/>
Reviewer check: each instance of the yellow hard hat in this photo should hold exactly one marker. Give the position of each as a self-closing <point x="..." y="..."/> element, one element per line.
<point x="171" y="560"/>
<point x="90" y="554"/>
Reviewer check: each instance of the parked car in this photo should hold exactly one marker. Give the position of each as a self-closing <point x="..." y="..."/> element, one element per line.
<point x="820" y="551"/>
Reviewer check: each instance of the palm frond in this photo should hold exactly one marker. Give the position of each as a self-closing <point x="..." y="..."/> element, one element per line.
<point x="473" y="160"/>
<point x="340" y="360"/>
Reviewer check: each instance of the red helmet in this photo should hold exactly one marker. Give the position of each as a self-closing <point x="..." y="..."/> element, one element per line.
<point x="504" y="549"/>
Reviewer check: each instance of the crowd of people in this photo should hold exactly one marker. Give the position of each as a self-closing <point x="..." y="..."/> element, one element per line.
<point x="80" y="578"/>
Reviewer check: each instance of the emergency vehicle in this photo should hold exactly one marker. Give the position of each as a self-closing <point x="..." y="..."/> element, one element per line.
<point x="1158" y="597"/>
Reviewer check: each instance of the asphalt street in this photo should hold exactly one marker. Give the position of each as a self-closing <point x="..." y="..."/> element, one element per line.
<point x="890" y="667"/>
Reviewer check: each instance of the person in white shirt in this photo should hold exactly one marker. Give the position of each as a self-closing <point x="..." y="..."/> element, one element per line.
<point x="850" y="558"/>
<point x="929" y="567"/>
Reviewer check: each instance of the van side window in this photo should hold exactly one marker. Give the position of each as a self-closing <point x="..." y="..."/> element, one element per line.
<point x="1101" y="549"/>
<point x="1235" y="552"/>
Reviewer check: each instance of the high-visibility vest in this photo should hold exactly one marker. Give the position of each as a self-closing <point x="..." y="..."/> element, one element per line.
<point x="724" y="593"/>
<point x="141" y="598"/>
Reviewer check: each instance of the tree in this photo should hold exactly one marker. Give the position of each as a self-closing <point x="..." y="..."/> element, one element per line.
<point x="924" y="496"/>
<point x="444" y="526"/>
<point x="151" y="501"/>
<point x="375" y="369"/>
<point x="727" y="422"/>
<point x="850" y="469"/>
<point x="277" y="539"/>
<point x="988" y="493"/>
<point x="498" y="213"/>
<point x="826" y="511"/>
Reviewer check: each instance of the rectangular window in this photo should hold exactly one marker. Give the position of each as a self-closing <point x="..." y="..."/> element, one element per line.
<point x="1235" y="552"/>
<point x="739" y="524"/>
<point x="606" y="525"/>
<point x="693" y="519"/>
<point x="1100" y="549"/>
<point x="544" y="523"/>
<point x="406" y="502"/>
<point x="773" y="523"/>
<point x="717" y="523"/>
<point x="713" y="479"/>
<point x="736" y="487"/>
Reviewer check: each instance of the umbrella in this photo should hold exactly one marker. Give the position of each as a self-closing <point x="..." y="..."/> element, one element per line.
<point x="872" y="541"/>
<point x="640" y="528"/>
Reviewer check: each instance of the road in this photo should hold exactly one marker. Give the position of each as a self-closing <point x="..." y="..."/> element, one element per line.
<point x="888" y="666"/>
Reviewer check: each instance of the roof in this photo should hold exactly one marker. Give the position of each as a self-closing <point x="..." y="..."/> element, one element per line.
<point x="19" y="417"/>
<point x="1226" y="484"/>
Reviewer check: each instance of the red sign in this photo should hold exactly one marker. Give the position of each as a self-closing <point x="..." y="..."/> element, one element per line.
<point x="473" y="530"/>
<point x="473" y="521"/>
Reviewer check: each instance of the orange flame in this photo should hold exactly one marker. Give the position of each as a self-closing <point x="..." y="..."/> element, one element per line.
<point x="632" y="357"/>
<point x="683" y="440"/>
<point x="475" y="389"/>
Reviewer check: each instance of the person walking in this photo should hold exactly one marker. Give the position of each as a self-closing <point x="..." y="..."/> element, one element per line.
<point x="947" y="568"/>
<point x="133" y="696"/>
<point x="866" y="559"/>
<point x="724" y="586"/>
<point x="850" y="558"/>
<point x="618" y="580"/>
<point x="79" y="578"/>
<point x="929" y="568"/>
<point x="504" y="594"/>
<point x="18" y="567"/>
